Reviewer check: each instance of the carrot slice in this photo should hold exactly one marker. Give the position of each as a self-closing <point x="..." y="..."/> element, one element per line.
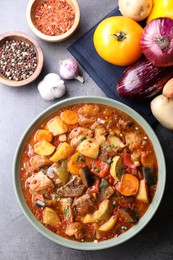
<point x="75" y="163"/>
<point x="70" y="117"/>
<point x="43" y="134"/>
<point x="129" y="185"/>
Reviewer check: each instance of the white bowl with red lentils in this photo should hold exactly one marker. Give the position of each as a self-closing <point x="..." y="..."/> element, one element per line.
<point x="53" y="20"/>
<point x="21" y="59"/>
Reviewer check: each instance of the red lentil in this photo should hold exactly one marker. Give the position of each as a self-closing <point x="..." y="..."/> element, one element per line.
<point x="54" y="17"/>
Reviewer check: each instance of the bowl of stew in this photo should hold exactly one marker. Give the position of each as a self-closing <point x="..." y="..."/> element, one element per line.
<point x="89" y="173"/>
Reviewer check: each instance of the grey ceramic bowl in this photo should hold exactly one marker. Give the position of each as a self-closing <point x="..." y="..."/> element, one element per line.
<point x="128" y="234"/>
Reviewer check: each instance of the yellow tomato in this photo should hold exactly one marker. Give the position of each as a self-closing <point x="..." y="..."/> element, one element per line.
<point x="117" y="40"/>
<point x="161" y="8"/>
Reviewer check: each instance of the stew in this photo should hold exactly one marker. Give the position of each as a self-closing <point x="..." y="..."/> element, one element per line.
<point x="89" y="172"/>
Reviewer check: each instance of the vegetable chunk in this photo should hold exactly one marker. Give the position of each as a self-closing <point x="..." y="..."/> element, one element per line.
<point x="70" y="117"/>
<point x="115" y="167"/>
<point x="62" y="153"/>
<point x="50" y="217"/>
<point x="43" y="134"/>
<point x="75" y="163"/>
<point x="104" y="212"/>
<point x="109" y="224"/>
<point x="143" y="192"/>
<point x="57" y="126"/>
<point x="129" y="185"/>
<point x="44" y="148"/>
<point x="89" y="147"/>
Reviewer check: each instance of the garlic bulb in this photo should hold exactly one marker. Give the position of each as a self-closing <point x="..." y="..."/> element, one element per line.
<point x="69" y="69"/>
<point x="51" y="87"/>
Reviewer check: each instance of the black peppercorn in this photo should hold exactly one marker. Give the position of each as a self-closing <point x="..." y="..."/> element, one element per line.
<point x="18" y="60"/>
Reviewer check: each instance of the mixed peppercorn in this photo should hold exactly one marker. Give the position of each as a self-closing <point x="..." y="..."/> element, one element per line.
<point x="18" y="60"/>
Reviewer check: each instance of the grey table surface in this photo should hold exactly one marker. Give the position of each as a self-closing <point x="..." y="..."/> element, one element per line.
<point x="18" y="107"/>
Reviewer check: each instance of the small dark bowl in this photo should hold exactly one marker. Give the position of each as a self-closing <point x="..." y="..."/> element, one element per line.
<point x="39" y="54"/>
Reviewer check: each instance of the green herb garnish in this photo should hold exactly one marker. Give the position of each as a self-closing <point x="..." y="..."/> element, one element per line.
<point x="96" y="169"/>
<point x="111" y="146"/>
<point x="83" y="138"/>
<point x="118" y="174"/>
<point x="109" y="161"/>
<point x="79" y="159"/>
<point x="66" y="212"/>
<point x="104" y="186"/>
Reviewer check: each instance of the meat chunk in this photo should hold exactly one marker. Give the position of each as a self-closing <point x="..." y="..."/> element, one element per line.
<point x="84" y="204"/>
<point x="39" y="183"/>
<point x="100" y="135"/>
<point x="39" y="161"/>
<point x="133" y="140"/>
<point x="73" y="188"/>
<point x="75" y="229"/>
<point x="82" y="131"/>
<point x="89" y="110"/>
<point x="84" y="120"/>
<point x="105" y="193"/>
<point x="78" y="134"/>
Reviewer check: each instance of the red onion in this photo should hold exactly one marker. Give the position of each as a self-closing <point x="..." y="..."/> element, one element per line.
<point x="157" y="42"/>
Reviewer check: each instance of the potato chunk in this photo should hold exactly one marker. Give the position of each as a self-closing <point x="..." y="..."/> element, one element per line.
<point x="143" y="192"/>
<point x="89" y="147"/>
<point x="108" y="225"/>
<point x="115" y="142"/>
<point x="50" y="217"/>
<point x="104" y="212"/>
<point x="63" y="152"/>
<point x="57" y="126"/>
<point x="44" y="148"/>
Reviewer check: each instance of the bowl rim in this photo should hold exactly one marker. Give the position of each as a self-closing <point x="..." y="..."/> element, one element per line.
<point x="146" y="217"/>
<point x="40" y="59"/>
<point x="49" y="38"/>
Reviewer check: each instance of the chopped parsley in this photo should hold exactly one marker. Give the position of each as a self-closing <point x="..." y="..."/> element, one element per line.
<point x="83" y="138"/>
<point x="96" y="169"/>
<point x="104" y="186"/>
<point x="79" y="159"/>
<point x="111" y="146"/>
<point x="66" y="212"/>
<point x="109" y="161"/>
<point x="117" y="174"/>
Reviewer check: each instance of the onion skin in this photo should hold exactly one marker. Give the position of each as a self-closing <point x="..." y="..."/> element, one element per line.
<point x="143" y="80"/>
<point x="157" y="42"/>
